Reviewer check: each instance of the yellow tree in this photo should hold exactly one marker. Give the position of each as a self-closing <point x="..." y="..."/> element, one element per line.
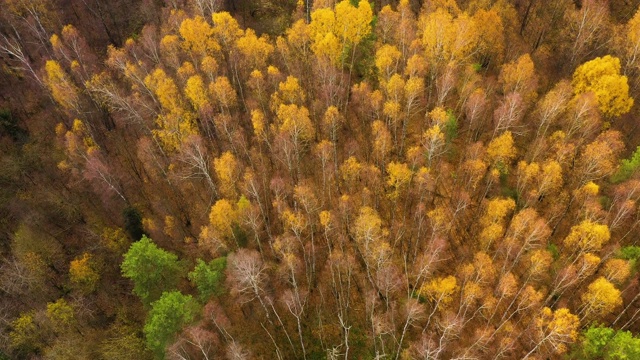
<point x="555" y="330"/>
<point x="399" y="178"/>
<point x="175" y="123"/>
<point x="600" y="299"/>
<point x="501" y="152"/>
<point x="491" y="43"/>
<point x="223" y="217"/>
<point x="587" y="236"/>
<point x="519" y="76"/>
<point x="602" y="77"/>
<point x="255" y="50"/>
<point x="387" y="57"/>
<point x="228" y="171"/>
<point x="334" y="32"/>
<point x="197" y="37"/>
<point x="196" y="92"/>
<point x="493" y="221"/>
<point x="62" y="89"/>
<point x="440" y="291"/>
<point x="83" y="274"/>
<point x="447" y="38"/>
<point x="296" y="126"/>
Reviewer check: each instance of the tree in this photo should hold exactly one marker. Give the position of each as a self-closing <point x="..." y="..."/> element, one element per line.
<point x="152" y="270"/>
<point x="600" y="342"/>
<point x="399" y="178"/>
<point x="62" y="88"/>
<point x="555" y="329"/>
<point x="25" y="335"/>
<point x="61" y="315"/>
<point x="209" y="277"/>
<point x="602" y="77"/>
<point x="440" y="291"/>
<point x="600" y="299"/>
<point x="167" y="316"/>
<point x="228" y="172"/>
<point x="197" y="37"/>
<point x="501" y="151"/>
<point x="587" y="236"/>
<point x="83" y="274"/>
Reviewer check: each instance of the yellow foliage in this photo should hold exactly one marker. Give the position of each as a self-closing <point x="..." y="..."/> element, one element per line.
<point x="295" y="121"/>
<point x="222" y="217"/>
<point x="227" y="170"/>
<point x="501" y="151"/>
<point x="209" y="65"/>
<point x="445" y="38"/>
<point x="332" y="32"/>
<point x="350" y="170"/>
<point x="497" y="210"/>
<point x="601" y="298"/>
<point x="387" y="58"/>
<point x="294" y="221"/>
<point x="353" y="23"/>
<point x="539" y="262"/>
<point x="491" y="34"/>
<point x="399" y="177"/>
<point x="255" y="50"/>
<point x="325" y="218"/>
<point x="440" y="291"/>
<point x="82" y="272"/>
<point x="165" y="89"/>
<point x="225" y="28"/>
<point x="61" y="314"/>
<point x="289" y="92"/>
<point x="588" y="236"/>
<point x="367" y="227"/>
<point x="223" y="92"/>
<point x="198" y="36"/>
<point x="602" y="77"/>
<point x="382" y="142"/>
<point x="258" y="122"/>
<point x="519" y="76"/>
<point x="24" y="332"/>
<point x="617" y="270"/>
<point x="61" y="87"/>
<point x="558" y="328"/>
<point x="116" y="240"/>
<point x="196" y="92"/>
<point x="438" y="116"/>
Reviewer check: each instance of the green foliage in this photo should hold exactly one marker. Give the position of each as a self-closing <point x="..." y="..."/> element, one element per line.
<point x="627" y="168"/>
<point x="152" y="270"/>
<point x="451" y="126"/>
<point x="209" y="277"/>
<point x="630" y="253"/>
<point x="167" y="316"/>
<point x="133" y="222"/>
<point x="599" y="342"/>
<point x="553" y="249"/>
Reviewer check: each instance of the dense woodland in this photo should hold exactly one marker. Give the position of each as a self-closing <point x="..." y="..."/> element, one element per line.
<point x="204" y="179"/>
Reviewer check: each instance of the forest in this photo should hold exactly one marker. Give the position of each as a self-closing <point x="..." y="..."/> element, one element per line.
<point x="319" y="179"/>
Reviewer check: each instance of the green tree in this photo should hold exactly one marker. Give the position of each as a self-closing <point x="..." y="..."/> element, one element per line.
<point x="209" y="277"/>
<point x="167" y="316"/>
<point x="627" y="168"/>
<point x="152" y="270"/>
<point x="600" y="342"/>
